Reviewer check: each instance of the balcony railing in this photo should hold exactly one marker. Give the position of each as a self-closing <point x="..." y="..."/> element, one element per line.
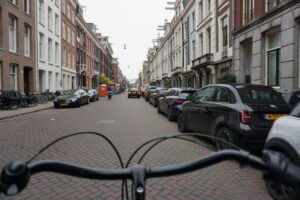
<point x="203" y="60"/>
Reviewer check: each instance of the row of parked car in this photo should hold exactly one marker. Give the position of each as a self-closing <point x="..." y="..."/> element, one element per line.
<point x="75" y="98"/>
<point x="251" y="117"/>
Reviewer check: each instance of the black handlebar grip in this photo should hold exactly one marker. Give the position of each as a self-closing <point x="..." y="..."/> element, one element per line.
<point x="14" y="178"/>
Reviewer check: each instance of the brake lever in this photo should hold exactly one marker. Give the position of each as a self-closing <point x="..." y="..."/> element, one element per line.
<point x="14" y="178"/>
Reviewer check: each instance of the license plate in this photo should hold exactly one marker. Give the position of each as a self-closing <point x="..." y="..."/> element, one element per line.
<point x="273" y="116"/>
<point x="64" y="104"/>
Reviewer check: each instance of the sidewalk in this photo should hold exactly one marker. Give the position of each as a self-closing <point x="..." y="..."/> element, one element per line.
<point x="4" y="114"/>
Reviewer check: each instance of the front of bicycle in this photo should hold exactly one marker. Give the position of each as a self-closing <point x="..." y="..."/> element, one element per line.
<point x="16" y="175"/>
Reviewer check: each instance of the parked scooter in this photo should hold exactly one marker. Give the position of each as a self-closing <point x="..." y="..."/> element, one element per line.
<point x="109" y="95"/>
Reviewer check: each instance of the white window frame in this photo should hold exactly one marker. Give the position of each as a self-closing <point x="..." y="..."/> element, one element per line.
<point x="27" y="40"/>
<point x="267" y="50"/>
<point x="64" y="30"/>
<point x="27" y="5"/>
<point x="50" y="50"/>
<point x="50" y="20"/>
<point x="13" y="2"/>
<point x="56" y="53"/>
<point x="73" y="38"/>
<point x="57" y="24"/>
<point x="12" y="33"/>
<point x="14" y="73"/>
<point x="41" y="46"/>
<point x="42" y="12"/>
<point x="64" y="57"/>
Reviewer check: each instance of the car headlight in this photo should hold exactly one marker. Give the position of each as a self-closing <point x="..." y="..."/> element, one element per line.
<point x="74" y="99"/>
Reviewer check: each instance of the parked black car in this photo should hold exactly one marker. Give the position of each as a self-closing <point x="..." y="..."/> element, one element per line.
<point x="170" y="104"/>
<point x="93" y="94"/>
<point x="148" y="92"/>
<point x="134" y="93"/>
<point x="72" y="98"/>
<point x="158" y="93"/>
<point x="238" y="113"/>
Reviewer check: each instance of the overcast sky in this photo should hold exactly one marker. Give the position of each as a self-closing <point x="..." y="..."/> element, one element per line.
<point x="128" y="22"/>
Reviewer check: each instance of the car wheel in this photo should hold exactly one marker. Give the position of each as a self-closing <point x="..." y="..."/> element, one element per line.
<point x="181" y="124"/>
<point x="279" y="191"/>
<point x="79" y="103"/>
<point x="226" y="135"/>
<point x="158" y="109"/>
<point x="56" y="106"/>
<point x="170" y="114"/>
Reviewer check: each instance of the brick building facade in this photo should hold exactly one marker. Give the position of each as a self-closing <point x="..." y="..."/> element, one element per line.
<point x="266" y="43"/>
<point x="17" y="46"/>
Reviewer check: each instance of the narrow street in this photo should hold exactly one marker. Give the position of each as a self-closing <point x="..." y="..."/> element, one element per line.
<point x="128" y="123"/>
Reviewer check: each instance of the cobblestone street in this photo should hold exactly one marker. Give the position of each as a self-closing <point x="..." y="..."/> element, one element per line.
<point x="128" y="123"/>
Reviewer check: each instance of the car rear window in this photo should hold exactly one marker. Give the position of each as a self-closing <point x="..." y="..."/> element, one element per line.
<point x="260" y="95"/>
<point x="163" y="92"/>
<point x="133" y="90"/>
<point x="186" y="93"/>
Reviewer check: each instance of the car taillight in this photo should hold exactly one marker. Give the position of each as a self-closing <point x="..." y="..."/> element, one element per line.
<point x="129" y="92"/>
<point x="246" y="117"/>
<point x="139" y="92"/>
<point x="179" y="101"/>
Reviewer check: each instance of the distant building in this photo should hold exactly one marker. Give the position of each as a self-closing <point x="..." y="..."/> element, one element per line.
<point x="116" y="71"/>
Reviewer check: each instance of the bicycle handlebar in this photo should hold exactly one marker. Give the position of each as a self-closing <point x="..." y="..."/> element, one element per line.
<point x="15" y="176"/>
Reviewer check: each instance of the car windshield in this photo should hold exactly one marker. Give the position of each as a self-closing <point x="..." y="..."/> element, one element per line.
<point x="260" y="95"/>
<point x="69" y="92"/>
<point x="184" y="94"/>
<point x="163" y="91"/>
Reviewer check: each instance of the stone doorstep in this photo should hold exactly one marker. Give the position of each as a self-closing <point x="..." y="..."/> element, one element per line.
<point x="5" y="114"/>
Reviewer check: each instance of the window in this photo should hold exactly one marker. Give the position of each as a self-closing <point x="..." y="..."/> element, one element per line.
<point x="27" y="40"/>
<point x="57" y="3"/>
<point x="42" y="46"/>
<point x="13" y="77"/>
<point x="41" y="12"/>
<point x="225" y="31"/>
<point x="50" y="49"/>
<point x="50" y="23"/>
<point x="69" y="35"/>
<point x="68" y="12"/>
<point x="13" y="2"/>
<point x="73" y="38"/>
<point x="1" y="29"/>
<point x="64" y="56"/>
<point x="200" y="11"/>
<point x="63" y="6"/>
<point x="248" y="11"/>
<point x="56" y="24"/>
<point x="64" y="30"/>
<point x="194" y="49"/>
<point x="12" y="29"/>
<point x="223" y="95"/>
<point x="69" y="59"/>
<point x="27" y="6"/>
<point x="206" y="94"/>
<point x="209" y="41"/>
<point x="208" y="5"/>
<point x="0" y="75"/>
<point x="194" y="21"/>
<point x="56" y="53"/>
<point x="74" y="60"/>
<point x="201" y="45"/>
<point x="273" y="56"/>
<point x="274" y="3"/>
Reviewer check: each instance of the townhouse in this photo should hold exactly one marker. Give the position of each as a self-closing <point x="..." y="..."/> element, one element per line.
<point x="266" y="43"/>
<point x="196" y="48"/>
<point x="68" y="43"/>
<point x="17" y="45"/>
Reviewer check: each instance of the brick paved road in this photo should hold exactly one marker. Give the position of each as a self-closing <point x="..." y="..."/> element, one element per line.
<point x="128" y="123"/>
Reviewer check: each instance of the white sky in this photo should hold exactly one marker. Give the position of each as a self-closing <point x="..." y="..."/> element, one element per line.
<point x="130" y="22"/>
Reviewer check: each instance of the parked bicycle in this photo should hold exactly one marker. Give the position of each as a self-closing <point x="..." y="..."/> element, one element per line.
<point x="10" y="99"/>
<point x="16" y="175"/>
